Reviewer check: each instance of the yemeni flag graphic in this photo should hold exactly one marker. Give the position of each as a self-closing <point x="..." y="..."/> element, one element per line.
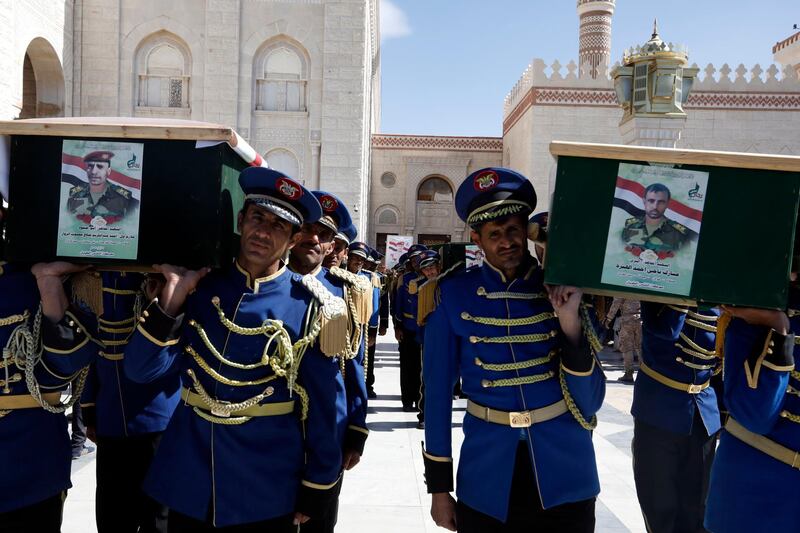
<point x="629" y="196"/>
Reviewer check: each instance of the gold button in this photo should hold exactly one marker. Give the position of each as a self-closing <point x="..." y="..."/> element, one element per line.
<point x="473" y="339"/>
<point x="141" y="319"/>
<point x="485" y="383"/>
<point x="71" y="323"/>
<point x="192" y="322"/>
<point x="465" y="315"/>
<point x="77" y="330"/>
<point x="481" y="291"/>
<point x="268" y="391"/>
<point x="215" y="300"/>
<point x="478" y="362"/>
<point x="772" y="343"/>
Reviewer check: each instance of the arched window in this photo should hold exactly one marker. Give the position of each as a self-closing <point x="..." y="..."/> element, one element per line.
<point x="281" y="78"/>
<point x="163" y="65"/>
<point x="387" y="217"/>
<point x="435" y="189"/>
<point x="284" y="161"/>
<point x="42" y="81"/>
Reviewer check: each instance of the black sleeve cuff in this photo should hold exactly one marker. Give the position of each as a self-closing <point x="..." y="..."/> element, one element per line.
<point x="438" y="472"/>
<point x="89" y="415"/>
<point x="776" y="352"/>
<point x="576" y="359"/>
<point x="69" y="334"/>
<point x="158" y="326"/>
<point x="315" y="500"/>
<point x="355" y="438"/>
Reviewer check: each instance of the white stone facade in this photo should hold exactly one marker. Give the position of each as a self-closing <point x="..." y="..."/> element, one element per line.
<point x="298" y="79"/>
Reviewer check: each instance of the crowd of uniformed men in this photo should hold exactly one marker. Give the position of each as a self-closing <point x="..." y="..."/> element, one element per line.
<point x="234" y="399"/>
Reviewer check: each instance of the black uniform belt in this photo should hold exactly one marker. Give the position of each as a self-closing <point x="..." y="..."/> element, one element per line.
<point x="26" y="401"/>
<point x="517" y="419"/>
<point x="262" y="409"/>
<point x="690" y="388"/>
<point x="763" y="444"/>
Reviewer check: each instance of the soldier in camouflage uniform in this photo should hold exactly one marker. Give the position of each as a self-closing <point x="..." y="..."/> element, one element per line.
<point x="653" y="230"/>
<point x="99" y="198"/>
<point x="630" y="333"/>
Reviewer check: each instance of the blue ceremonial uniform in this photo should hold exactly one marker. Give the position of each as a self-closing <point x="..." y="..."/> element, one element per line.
<point x="35" y="453"/>
<point x="247" y="467"/>
<point x="115" y="405"/>
<point x="752" y="490"/>
<point x="679" y="344"/>
<point x="353" y="429"/>
<point x="469" y="335"/>
<point x="676" y="415"/>
<point x="128" y="417"/>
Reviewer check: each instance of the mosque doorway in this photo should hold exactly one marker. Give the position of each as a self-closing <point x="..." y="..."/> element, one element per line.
<point x="42" y="81"/>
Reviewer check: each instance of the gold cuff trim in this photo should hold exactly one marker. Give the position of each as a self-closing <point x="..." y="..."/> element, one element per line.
<point x="752" y="374"/>
<point x="152" y="339"/>
<point x="71" y="350"/>
<point x="117" y="322"/>
<point x="435" y="458"/>
<point x="319" y="486"/>
<point x="123" y="292"/>
<point x="579" y="374"/>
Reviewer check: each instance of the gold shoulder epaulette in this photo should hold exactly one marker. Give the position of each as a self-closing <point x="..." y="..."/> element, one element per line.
<point x="358" y="294"/>
<point x="426" y="300"/>
<point x="332" y="315"/>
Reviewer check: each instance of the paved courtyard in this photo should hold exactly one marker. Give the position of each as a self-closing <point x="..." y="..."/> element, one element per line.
<point x="386" y="493"/>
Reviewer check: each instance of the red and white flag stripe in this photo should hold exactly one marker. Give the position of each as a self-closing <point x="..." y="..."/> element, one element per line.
<point x="632" y="192"/>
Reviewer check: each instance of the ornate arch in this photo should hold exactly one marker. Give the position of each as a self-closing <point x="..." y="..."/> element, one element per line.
<point x="43" y="86"/>
<point x="131" y="43"/>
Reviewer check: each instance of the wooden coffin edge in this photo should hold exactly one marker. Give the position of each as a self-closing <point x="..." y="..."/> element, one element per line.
<point x="678" y="156"/>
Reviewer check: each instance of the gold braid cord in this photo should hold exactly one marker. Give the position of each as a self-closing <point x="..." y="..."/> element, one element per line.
<point x="573" y="408"/>
<point x="501" y="367"/>
<point x="795" y="374"/>
<point x="521" y="380"/>
<point x="515" y="339"/>
<point x="25" y="346"/>
<point x="588" y="330"/>
<point x="524" y="321"/>
<point x="506" y="295"/>
<point x="791" y="417"/>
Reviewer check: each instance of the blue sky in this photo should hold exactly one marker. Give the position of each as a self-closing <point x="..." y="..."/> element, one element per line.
<point x="448" y="64"/>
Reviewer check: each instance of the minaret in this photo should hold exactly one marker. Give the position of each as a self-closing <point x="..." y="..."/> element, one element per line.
<point x="594" y="46"/>
<point x="787" y="51"/>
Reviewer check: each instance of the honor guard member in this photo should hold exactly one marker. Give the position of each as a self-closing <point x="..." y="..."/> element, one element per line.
<point x="675" y="415"/>
<point x="47" y="344"/>
<point x="357" y="254"/>
<point x="124" y="418"/>
<point x="254" y="441"/>
<point x="430" y="265"/>
<point x="755" y="482"/>
<point x="528" y="368"/>
<point x="306" y="257"/>
<point x="406" y="330"/>
<point x="341" y="241"/>
<point x="380" y="322"/>
<point x="98" y="197"/>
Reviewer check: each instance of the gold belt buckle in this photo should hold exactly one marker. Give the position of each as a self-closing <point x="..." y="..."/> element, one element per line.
<point x="217" y="411"/>
<point x="520" y="419"/>
<point x="695" y="389"/>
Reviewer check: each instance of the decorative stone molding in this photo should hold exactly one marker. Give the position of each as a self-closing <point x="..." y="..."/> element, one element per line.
<point x="429" y="142"/>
